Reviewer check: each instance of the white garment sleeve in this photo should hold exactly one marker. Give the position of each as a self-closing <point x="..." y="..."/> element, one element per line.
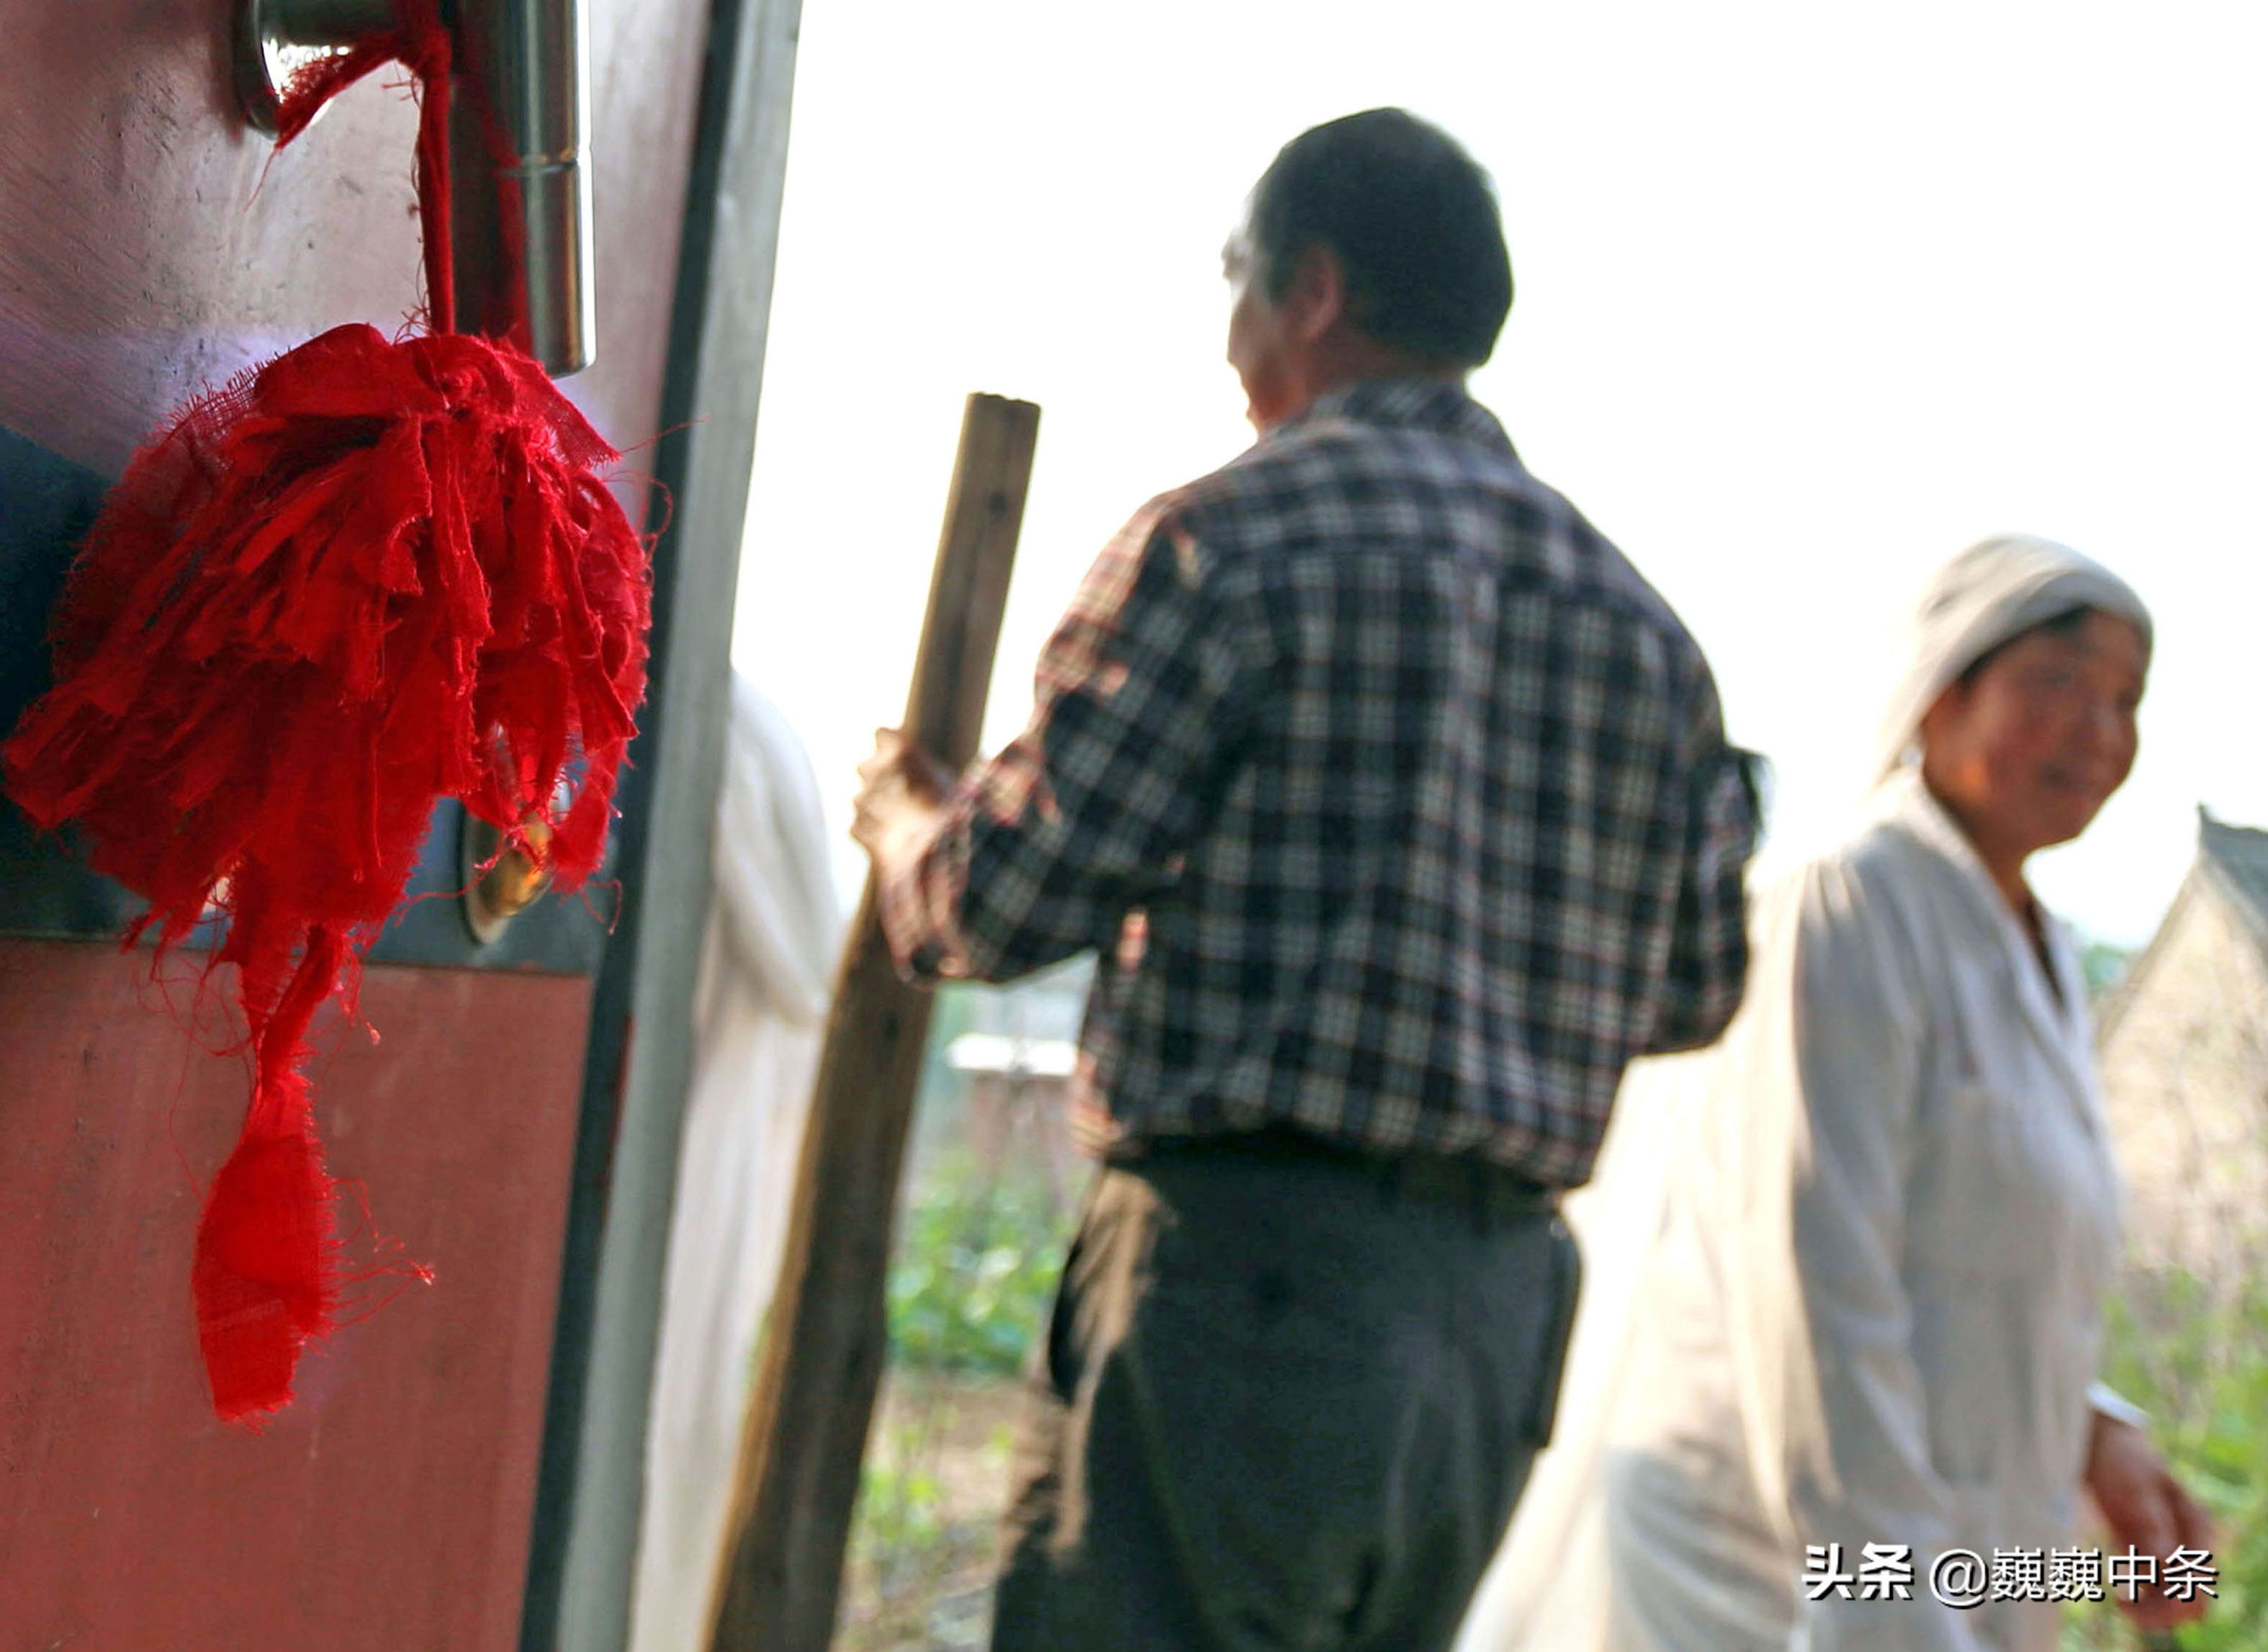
<point x="2107" y="1401"/>
<point x="1857" y="1464"/>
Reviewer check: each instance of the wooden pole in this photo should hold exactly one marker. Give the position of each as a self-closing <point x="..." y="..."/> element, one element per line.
<point x="827" y="1334"/>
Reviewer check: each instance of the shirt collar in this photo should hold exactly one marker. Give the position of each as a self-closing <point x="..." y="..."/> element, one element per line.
<point x="1423" y="404"/>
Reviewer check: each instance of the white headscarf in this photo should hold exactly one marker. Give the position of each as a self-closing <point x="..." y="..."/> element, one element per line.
<point x="1995" y="590"/>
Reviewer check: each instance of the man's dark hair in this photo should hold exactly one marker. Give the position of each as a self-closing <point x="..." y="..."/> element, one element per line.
<point x="1413" y="220"/>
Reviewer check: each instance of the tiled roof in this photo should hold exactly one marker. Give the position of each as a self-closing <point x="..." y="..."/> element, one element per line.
<point x="2236" y="858"/>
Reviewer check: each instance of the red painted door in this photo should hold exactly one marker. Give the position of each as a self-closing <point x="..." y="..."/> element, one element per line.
<point x="147" y="246"/>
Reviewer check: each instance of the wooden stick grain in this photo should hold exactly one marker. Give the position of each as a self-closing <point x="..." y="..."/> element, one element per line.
<point x="827" y="1334"/>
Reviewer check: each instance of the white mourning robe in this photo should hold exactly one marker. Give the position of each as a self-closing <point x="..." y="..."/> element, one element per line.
<point x="767" y="969"/>
<point x="1873" y="1314"/>
<point x="1842" y="1271"/>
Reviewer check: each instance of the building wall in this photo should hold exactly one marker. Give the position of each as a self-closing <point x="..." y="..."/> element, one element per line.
<point x="148" y="248"/>
<point x="2184" y="1062"/>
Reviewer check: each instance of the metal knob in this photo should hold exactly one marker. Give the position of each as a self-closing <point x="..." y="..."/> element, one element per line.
<point x="499" y="883"/>
<point x="275" y="38"/>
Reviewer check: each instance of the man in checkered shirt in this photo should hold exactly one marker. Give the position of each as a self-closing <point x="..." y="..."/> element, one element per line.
<point x="1399" y="809"/>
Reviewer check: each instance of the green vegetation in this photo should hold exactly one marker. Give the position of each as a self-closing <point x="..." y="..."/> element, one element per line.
<point x="2104" y="967"/>
<point x="974" y="1276"/>
<point x="2197" y="1360"/>
<point x="970" y="1287"/>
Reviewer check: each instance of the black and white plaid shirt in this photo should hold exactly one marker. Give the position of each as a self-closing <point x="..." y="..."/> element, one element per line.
<point x="1396" y="803"/>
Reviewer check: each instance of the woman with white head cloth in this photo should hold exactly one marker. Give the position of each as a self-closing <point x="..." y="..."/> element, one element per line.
<point x="1864" y="1239"/>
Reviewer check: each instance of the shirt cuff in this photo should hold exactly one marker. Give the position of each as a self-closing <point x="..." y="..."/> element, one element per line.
<point x="2108" y="1402"/>
<point x="915" y="901"/>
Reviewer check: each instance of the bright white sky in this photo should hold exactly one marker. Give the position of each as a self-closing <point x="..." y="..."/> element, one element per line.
<point x="1810" y="296"/>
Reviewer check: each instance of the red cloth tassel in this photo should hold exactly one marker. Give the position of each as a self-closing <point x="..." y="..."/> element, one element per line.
<point x="367" y="576"/>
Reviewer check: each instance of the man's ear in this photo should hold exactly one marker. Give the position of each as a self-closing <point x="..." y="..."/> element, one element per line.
<point x="1315" y="302"/>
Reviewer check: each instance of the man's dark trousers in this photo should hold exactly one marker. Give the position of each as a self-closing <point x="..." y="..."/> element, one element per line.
<point x="1287" y="1399"/>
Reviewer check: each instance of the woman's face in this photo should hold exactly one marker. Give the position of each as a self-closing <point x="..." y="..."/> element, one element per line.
<point x="2028" y="752"/>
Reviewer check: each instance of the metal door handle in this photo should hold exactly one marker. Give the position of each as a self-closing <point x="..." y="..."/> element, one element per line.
<point x="519" y="175"/>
